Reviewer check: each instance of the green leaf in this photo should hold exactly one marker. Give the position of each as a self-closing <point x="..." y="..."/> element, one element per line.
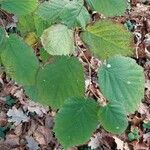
<point x="109" y="7"/>
<point x="76" y="121"/>
<point x="106" y="39"/>
<point x="19" y="7"/>
<point x="58" y="40"/>
<point x="134" y="135"/>
<point x="131" y="136"/>
<point x="10" y="101"/>
<point x="31" y="23"/>
<point x="40" y="25"/>
<point x="122" y="80"/>
<point x="129" y="25"/>
<point x="44" y="55"/>
<point x="26" y="24"/>
<point x="2" y="36"/>
<point x="31" y="91"/>
<point x="113" y="117"/>
<point x="2" y="134"/>
<point x="62" y="79"/>
<point x="72" y="13"/>
<point x="19" y="61"/>
<point x="146" y="125"/>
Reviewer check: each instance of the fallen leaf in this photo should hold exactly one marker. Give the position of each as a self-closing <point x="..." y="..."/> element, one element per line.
<point x="35" y="107"/>
<point x="147" y="84"/>
<point x="120" y="143"/>
<point x="12" y="140"/>
<point x="144" y="110"/>
<point x="18" y="130"/>
<point x="94" y="141"/>
<point x="31" y="143"/>
<point x="17" y="116"/>
<point x="49" y="121"/>
<point x="19" y="94"/>
<point x="43" y="135"/>
<point x="33" y="127"/>
<point x="4" y="147"/>
<point x="3" y="119"/>
<point x="140" y="146"/>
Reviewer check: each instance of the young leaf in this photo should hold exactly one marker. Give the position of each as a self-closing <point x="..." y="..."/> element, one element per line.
<point x="109" y="7"/>
<point x="113" y="117"/>
<point x="106" y="39"/>
<point x="19" y="7"/>
<point x="19" y="61"/>
<point x="72" y="13"/>
<point x="58" y="40"/>
<point x="62" y="79"/>
<point x="76" y="121"/>
<point x="134" y="135"/>
<point x="122" y="79"/>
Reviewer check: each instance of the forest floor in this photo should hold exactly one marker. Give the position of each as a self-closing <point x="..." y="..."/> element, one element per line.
<point x="33" y="123"/>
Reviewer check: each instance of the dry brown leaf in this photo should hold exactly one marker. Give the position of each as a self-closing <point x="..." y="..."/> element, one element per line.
<point x="144" y="110"/>
<point x="3" y="119"/>
<point x="35" y="107"/>
<point x="49" y="121"/>
<point x="43" y="135"/>
<point x="18" y="130"/>
<point x="32" y="127"/>
<point x="12" y="140"/>
<point x="4" y="147"/>
<point x="120" y="143"/>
